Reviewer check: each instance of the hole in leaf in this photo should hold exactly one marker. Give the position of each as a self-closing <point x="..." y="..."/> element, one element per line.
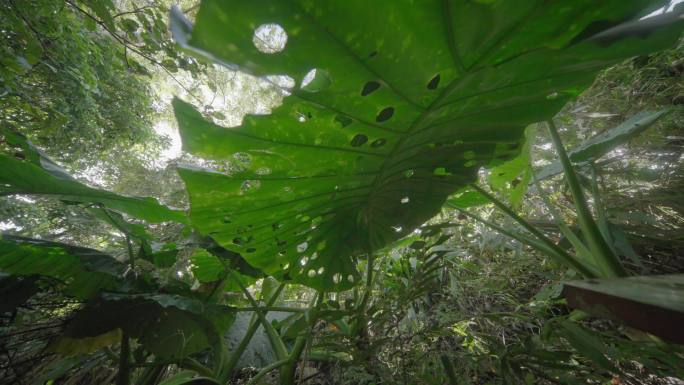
<point x="321" y="270"/>
<point x="304" y="260"/>
<point x="337" y="278"/>
<point x="226" y="220"/>
<point x="378" y="143"/>
<point x="243" y="157"/>
<point x="250" y="185"/>
<point x="311" y="273"/>
<point x="263" y="171"/>
<point x="287" y="266"/>
<point x="316" y="80"/>
<point x="343" y="120"/>
<point x="404" y="200"/>
<point x="302" y="247"/>
<point x="370" y="87"/>
<point x="408" y="173"/>
<point x="269" y="38"/>
<point x="350" y="278"/>
<point x="385" y="114"/>
<point x="434" y="82"/>
<point x="358" y="140"/>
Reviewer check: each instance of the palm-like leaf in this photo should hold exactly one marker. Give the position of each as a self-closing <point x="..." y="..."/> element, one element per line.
<point x="30" y="171"/>
<point x="408" y="101"/>
<point x="84" y="271"/>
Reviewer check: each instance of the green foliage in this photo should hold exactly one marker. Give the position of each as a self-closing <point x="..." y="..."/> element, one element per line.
<point x="340" y="190"/>
<point x="29" y="171"/>
<point x="600" y="145"/>
<point x="170" y="327"/>
<point x="83" y="271"/>
<point x="75" y="93"/>
<point x="352" y="167"/>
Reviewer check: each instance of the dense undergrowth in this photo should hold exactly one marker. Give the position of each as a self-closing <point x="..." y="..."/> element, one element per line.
<point x="395" y="288"/>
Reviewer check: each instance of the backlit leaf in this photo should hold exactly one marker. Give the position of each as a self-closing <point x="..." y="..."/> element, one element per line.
<point x="415" y="105"/>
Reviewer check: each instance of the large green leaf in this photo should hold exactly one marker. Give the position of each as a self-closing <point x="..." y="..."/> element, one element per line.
<point x="31" y="172"/>
<point x="408" y="100"/>
<point x="84" y="271"/>
<point x="169" y="326"/>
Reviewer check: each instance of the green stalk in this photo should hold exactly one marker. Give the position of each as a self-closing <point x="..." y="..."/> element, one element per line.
<point x="556" y="251"/>
<point x="276" y="342"/>
<point x="123" y="377"/>
<point x="329" y="357"/>
<point x="129" y="245"/>
<point x="369" y="282"/>
<point x="515" y="235"/>
<point x="196" y="366"/>
<point x="598" y="204"/>
<point x="267" y="369"/>
<point x="229" y="367"/>
<point x="605" y="258"/>
<point x="561" y="257"/>
<point x="580" y="248"/>
<point x="131" y="254"/>
<point x="287" y="374"/>
<point x="361" y="307"/>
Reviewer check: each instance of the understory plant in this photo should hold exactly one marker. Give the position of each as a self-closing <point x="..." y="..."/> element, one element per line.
<point x="333" y="196"/>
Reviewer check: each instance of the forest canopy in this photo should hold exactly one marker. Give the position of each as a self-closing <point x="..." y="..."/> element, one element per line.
<point x="299" y="192"/>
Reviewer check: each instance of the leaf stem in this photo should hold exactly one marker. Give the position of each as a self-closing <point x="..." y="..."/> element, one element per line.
<point x="288" y="372"/>
<point x="565" y="257"/>
<point x="228" y="368"/>
<point x="605" y="258"/>
<point x="267" y="369"/>
<point x="276" y="342"/>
